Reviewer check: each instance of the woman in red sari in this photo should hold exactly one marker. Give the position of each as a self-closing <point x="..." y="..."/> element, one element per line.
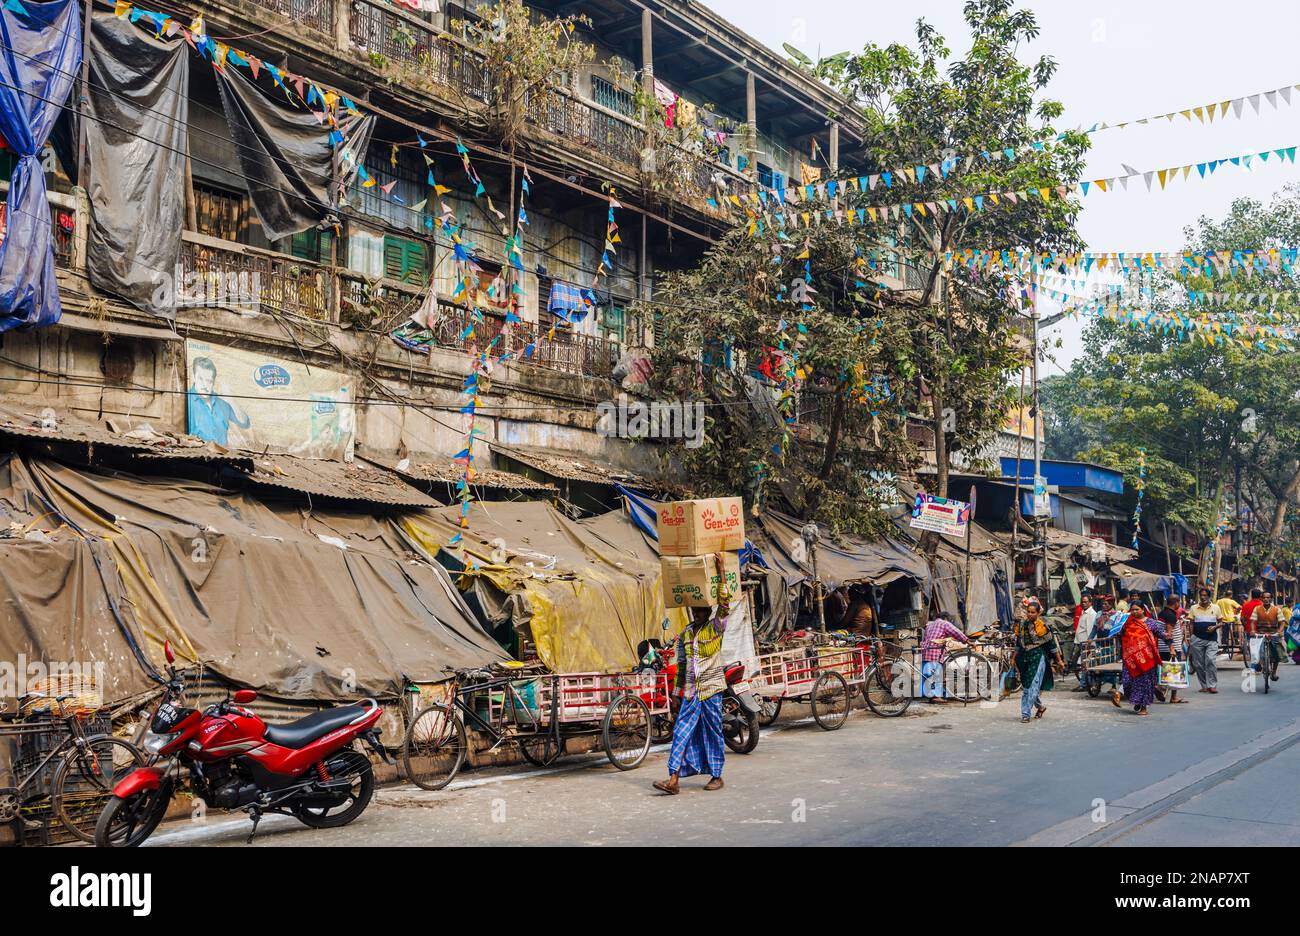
<point x="1141" y="652"/>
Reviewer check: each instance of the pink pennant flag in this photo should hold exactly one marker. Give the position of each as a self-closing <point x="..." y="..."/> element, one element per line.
<point x="387" y="189"/>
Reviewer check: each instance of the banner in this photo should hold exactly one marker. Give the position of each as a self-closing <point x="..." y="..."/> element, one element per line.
<point x="940" y="515"/>
<point x="246" y="400"/>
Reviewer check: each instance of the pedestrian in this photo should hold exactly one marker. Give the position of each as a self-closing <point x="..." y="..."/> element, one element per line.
<point x="932" y="650"/>
<point x="1171" y="645"/>
<point x="1247" y="622"/>
<point x="1206" y="617"/>
<point x="1139" y="646"/>
<point x="1036" y="650"/>
<point x="1228" y="622"/>
<point x="1083" y="632"/>
<point x="697" y="746"/>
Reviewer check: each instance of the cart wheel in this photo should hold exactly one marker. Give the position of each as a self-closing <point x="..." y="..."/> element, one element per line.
<point x="888" y="688"/>
<point x="661" y="729"/>
<point x="627" y="732"/>
<point x="434" y="748"/>
<point x="770" y="711"/>
<point x="540" y="750"/>
<point x="1094" y="687"/>
<point x="968" y="676"/>
<point x="830" y="701"/>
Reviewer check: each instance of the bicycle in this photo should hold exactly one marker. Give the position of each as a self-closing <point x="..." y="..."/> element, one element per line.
<point x="1270" y="657"/>
<point x="536" y="710"/>
<point x="85" y="768"/>
<point x="888" y="680"/>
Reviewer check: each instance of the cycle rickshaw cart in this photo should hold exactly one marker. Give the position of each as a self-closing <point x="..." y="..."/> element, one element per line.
<point x="827" y="676"/>
<point x="536" y="710"/>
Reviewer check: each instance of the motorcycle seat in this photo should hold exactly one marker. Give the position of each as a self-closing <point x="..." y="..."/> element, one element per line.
<point x="304" y="731"/>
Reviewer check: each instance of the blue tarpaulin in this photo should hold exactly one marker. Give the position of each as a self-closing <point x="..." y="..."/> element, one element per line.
<point x="40" y="57"/>
<point x="643" y="515"/>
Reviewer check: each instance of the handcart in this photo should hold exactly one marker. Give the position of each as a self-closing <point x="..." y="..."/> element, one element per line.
<point x="1100" y="662"/>
<point x="823" y="677"/>
<point x="536" y="710"/>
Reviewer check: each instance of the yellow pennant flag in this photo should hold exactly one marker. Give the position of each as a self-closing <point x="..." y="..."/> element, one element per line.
<point x="121" y="8"/>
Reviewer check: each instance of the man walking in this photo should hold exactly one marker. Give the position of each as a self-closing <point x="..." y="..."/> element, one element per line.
<point x="697" y="731"/>
<point x="1205" y="615"/>
<point x="933" y="647"/>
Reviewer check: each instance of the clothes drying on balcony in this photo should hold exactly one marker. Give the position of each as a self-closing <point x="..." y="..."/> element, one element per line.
<point x="570" y="302"/>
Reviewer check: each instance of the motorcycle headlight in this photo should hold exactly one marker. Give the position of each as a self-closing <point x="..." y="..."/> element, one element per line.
<point x="154" y="743"/>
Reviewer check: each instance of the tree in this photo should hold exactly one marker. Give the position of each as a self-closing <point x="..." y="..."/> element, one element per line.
<point x="1217" y="413"/>
<point x="862" y="356"/>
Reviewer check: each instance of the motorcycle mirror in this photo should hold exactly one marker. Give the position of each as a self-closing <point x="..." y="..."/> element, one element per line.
<point x="167" y="651"/>
<point x="244" y="696"/>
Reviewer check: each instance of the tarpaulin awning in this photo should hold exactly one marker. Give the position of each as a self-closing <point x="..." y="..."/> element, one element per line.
<point x="586" y="603"/>
<point x="136" y="141"/>
<point x="312" y="605"/>
<point x="840" y="560"/>
<point x="40" y="59"/>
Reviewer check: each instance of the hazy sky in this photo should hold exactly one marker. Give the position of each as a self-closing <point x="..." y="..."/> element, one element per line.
<point x="1117" y="61"/>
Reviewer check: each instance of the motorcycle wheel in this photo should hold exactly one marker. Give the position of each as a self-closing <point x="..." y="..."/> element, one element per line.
<point x="127" y="821"/>
<point x="331" y="817"/>
<point x="661" y="729"/>
<point x="744" y="738"/>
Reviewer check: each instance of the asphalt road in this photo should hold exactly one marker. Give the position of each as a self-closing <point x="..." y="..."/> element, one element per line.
<point x="1218" y="770"/>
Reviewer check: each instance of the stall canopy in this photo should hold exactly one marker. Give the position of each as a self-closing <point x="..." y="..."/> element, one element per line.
<point x="585" y="602"/>
<point x="302" y="604"/>
<point x="840" y="560"/>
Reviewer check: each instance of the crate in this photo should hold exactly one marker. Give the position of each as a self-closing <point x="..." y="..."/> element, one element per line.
<point x="35" y="739"/>
<point x="1101" y="652"/>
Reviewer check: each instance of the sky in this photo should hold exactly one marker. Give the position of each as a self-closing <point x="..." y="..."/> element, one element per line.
<point x="1117" y="61"/>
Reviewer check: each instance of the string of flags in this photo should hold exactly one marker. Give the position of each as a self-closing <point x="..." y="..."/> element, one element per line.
<point x="1140" y="486"/>
<point x="948" y="162"/>
<point x="753" y="205"/>
<point x="1208" y="263"/>
<point x="1254" y="336"/>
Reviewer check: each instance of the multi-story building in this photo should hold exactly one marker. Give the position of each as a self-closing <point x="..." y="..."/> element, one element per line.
<point x="331" y="296"/>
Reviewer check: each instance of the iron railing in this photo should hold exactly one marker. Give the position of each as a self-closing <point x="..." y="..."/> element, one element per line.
<point x="314" y="14"/>
<point x="244" y="276"/>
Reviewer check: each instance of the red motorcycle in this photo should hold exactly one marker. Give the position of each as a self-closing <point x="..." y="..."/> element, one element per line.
<point x="740" y="704"/>
<point x="308" y="769"/>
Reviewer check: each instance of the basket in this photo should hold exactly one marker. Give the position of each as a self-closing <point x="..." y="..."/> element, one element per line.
<point x="84" y="697"/>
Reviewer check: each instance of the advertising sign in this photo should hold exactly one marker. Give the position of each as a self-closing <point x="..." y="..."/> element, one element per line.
<point x="940" y="515"/>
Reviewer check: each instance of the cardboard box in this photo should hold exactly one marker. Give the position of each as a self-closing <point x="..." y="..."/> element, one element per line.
<point x="692" y="581"/>
<point x="696" y="527"/>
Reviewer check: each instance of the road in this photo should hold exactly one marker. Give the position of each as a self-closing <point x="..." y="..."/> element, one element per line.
<point x="1217" y="770"/>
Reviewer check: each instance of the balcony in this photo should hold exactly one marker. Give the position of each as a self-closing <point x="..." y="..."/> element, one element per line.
<point x="314" y="14"/>
<point x="63" y="224"/>
<point x="224" y="274"/>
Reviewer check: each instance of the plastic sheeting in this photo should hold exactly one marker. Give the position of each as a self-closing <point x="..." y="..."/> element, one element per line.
<point x="293" y="178"/>
<point x="136" y="142"/>
<point x="585" y="601"/>
<point x="40" y="56"/>
<point x="840" y="561"/>
<point x="311" y="605"/>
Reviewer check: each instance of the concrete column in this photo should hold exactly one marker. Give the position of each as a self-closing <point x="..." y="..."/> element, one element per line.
<point x="647" y="52"/>
<point x="751" y="118"/>
<point x="835" y="148"/>
<point x="342" y="24"/>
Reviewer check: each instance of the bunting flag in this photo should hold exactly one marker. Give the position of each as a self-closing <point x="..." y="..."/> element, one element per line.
<point x="826" y="208"/>
<point x="1140" y="486"/>
<point x="940" y="167"/>
<point x="1210" y="264"/>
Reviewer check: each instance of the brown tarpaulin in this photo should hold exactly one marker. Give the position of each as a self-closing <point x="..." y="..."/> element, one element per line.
<point x="313" y="604"/>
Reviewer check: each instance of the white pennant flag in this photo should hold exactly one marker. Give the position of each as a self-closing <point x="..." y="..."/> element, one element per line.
<point x="1236" y="107"/>
<point x="1271" y="97"/>
<point x="1286" y="94"/>
<point x="1254" y="102"/>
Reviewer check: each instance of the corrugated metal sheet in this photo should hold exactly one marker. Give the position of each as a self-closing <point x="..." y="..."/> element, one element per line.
<point x="44" y="423"/>
<point x="424" y="473"/>
<point x="356" y="481"/>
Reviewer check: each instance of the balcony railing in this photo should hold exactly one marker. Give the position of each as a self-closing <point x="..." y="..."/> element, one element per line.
<point x="224" y="274"/>
<point x="581" y="122"/>
<point x="63" y="224"/>
<point x="314" y="14"/>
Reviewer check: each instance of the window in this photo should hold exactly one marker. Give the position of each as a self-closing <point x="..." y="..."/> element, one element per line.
<point x="612" y="325"/>
<point x="606" y="95"/>
<point x="221" y="213"/>
<point x="770" y="178"/>
<point x="312" y="244"/>
<point x="406" y="260"/>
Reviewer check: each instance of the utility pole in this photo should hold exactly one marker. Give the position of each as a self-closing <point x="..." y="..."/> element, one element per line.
<point x="1042" y="578"/>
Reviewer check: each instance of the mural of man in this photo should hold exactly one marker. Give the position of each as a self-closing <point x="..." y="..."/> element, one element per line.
<point x="210" y="415"/>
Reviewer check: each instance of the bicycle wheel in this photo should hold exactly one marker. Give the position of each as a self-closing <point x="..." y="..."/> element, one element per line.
<point x="434" y="748"/>
<point x="968" y="676"/>
<point x="626" y="732"/>
<point x="771" y="711"/>
<point x="888" y="688"/>
<point x="84" y="781"/>
<point x="540" y="750"/>
<point x="830" y="701"/>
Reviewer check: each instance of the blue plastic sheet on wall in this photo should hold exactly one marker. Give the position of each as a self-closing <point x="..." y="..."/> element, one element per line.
<point x="40" y="58"/>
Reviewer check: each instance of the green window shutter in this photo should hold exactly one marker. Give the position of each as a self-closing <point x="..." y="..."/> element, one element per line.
<point x="312" y="245"/>
<point x="613" y="325"/>
<point x="406" y="260"/>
